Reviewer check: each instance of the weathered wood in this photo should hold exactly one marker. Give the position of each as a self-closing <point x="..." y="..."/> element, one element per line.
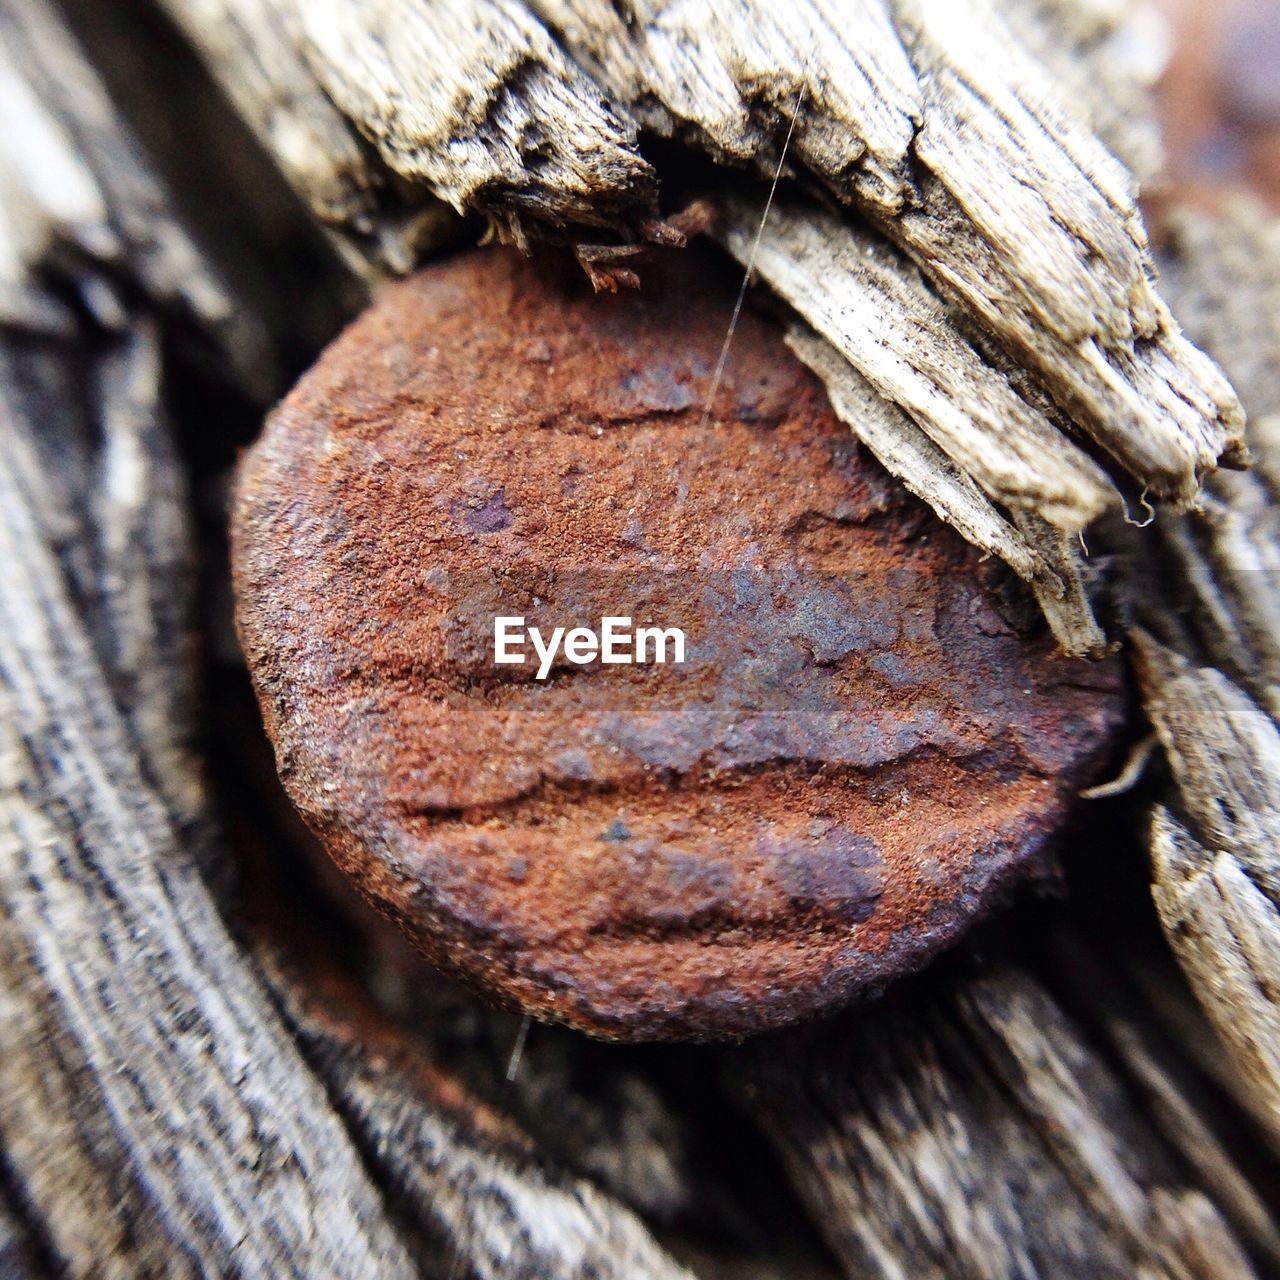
<point x="586" y="1110"/>
<point x="1224" y="275"/>
<point x="1032" y="227"/>
<point x="464" y="1174"/>
<point x="1230" y="564"/>
<point x="475" y="100"/>
<point x="729" y="75"/>
<point x="1019" y="216"/>
<point x="121" y="517"/>
<point x="1215" y="869"/>
<point x="1225" y="931"/>
<point x="162" y="1113"/>
<point x="81" y="202"/>
<point x="950" y="139"/>
<point x="690" y="65"/>
<point x="250" y="48"/>
<point x="17" y="1256"/>
<point x="117" y="512"/>
<point x="1217" y="888"/>
<point x="89" y="843"/>
<point x="1155" y="1055"/>
<point x="144" y="572"/>
<point x="128" y="1011"/>
<point x="854" y="1123"/>
<point x="875" y="309"/>
<point x="1102" y="58"/>
<point x="1225" y="756"/>
<point x="974" y="1132"/>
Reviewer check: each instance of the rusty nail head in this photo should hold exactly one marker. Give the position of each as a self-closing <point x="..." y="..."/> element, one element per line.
<point x="857" y="755"/>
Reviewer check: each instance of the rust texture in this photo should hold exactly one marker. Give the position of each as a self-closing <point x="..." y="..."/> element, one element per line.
<point x="859" y="752"/>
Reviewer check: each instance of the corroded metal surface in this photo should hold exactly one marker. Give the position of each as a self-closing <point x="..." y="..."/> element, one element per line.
<point x="859" y="751"/>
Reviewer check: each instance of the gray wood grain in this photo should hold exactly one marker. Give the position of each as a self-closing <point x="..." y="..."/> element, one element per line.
<point x="975" y="1133"/>
<point x="155" y="1112"/>
<point x="467" y="1177"/>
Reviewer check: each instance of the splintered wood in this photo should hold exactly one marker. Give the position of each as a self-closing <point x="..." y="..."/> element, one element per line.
<point x="536" y="136"/>
<point x="1215" y="867"/>
<point x="985" y="270"/>
<point x="1035" y="550"/>
<point x="957" y="150"/>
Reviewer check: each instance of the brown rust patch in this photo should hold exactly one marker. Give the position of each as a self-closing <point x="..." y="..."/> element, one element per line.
<point x="857" y="752"/>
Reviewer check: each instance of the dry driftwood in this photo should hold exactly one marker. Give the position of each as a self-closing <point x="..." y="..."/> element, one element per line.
<point x="163" y="1109"/>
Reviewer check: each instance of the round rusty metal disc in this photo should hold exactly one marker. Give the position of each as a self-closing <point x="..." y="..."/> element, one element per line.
<point x="856" y="754"/>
